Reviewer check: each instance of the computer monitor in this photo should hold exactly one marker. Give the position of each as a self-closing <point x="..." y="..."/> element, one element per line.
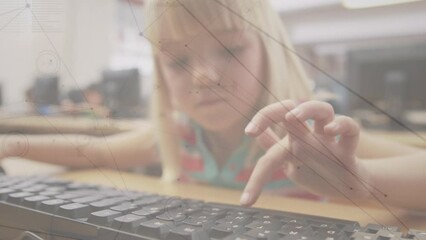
<point x="76" y="96"/>
<point x="45" y="91"/>
<point x="393" y="79"/>
<point x="121" y="91"/>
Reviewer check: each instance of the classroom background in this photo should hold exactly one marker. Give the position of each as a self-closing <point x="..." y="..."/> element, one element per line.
<point x="84" y="66"/>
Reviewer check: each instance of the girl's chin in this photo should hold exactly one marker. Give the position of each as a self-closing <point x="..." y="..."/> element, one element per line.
<point x="220" y="123"/>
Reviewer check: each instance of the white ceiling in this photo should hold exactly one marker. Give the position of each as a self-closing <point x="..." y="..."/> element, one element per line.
<point x="294" y="5"/>
<point x="313" y="22"/>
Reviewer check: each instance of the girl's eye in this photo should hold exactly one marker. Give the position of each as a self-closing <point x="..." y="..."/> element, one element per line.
<point x="233" y="50"/>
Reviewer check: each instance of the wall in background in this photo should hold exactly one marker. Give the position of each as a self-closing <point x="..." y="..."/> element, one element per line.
<point x="83" y="37"/>
<point x="75" y="42"/>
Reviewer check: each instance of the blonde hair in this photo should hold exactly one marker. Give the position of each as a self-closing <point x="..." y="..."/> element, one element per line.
<point x="286" y="78"/>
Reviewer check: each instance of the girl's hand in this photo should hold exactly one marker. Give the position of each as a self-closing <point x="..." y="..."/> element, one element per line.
<point x="320" y="159"/>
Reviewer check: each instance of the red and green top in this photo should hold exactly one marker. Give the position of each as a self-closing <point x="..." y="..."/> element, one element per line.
<point x="199" y="165"/>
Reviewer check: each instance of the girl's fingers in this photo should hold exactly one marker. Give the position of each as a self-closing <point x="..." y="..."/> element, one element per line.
<point x="274" y="158"/>
<point x="267" y="139"/>
<point x="347" y="130"/>
<point x="268" y="116"/>
<point x="322" y="113"/>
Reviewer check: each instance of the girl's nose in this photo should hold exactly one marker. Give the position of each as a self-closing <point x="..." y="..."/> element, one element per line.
<point x="204" y="74"/>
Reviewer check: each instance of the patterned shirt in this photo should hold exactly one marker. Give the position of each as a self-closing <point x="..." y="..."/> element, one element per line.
<point x="199" y="165"/>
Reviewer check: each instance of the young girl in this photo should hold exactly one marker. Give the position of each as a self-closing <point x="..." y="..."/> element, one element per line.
<point x="214" y="71"/>
<point x="220" y="62"/>
<point x="217" y="64"/>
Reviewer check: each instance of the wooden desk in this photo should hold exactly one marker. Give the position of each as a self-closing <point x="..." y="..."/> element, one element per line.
<point x="66" y="125"/>
<point x="363" y="215"/>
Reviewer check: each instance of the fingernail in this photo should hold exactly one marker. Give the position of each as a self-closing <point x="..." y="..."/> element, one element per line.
<point x="332" y="126"/>
<point x="245" y="198"/>
<point x="251" y="128"/>
<point x="295" y="112"/>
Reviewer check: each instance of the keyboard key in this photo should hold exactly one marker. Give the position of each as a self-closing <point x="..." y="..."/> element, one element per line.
<point x="271" y="224"/>
<point x="388" y="234"/>
<point x="49" y="193"/>
<point x="22" y="185"/>
<point x="176" y="216"/>
<point x="147" y="201"/>
<point x="4" y="193"/>
<point x="107" y="203"/>
<point x="125" y="207"/>
<point x="223" y="230"/>
<point x="52" y="205"/>
<point x="235" y="219"/>
<point x="198" y="222"/>
<point x="155" y="228"/>
<point x="74" y="185"/>
<point x="208" y="215"/>
<point x="35" y="188"/>
<point x="241" y="213"/>
<point x="18" y="197"/>
<point x="292" y="220"/>
<point x="374" y="228"/>
<point x="88" y="199"/>
<point x="189" y="210"/>
<point x="329" y="233"/>
<point x="348" y="230"/>
<point x="103" y="217"/>
<point x="214" y="209"/>
<point x="159" y="207"/>
<point x="69" y="195"/>
<point x="186" y="232"/>
<point x="128" y="222"/>
<point x="263" y="216"/>
<point x="74" y="210"/>
<point x="416" y="234"/>
<point x="363" y="236"/>
<point x="34" y="201"/>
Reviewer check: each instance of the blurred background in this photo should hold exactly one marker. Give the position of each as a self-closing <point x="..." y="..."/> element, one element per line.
<point x="87" y="58"/>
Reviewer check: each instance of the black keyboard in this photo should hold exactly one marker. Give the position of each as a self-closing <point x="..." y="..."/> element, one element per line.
<point x="47" y="208"/>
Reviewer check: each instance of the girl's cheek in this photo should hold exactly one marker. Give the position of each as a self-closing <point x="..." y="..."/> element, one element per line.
<point x="179" y="91"/>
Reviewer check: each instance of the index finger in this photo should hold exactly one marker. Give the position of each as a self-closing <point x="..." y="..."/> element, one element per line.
<point x="274" y="158"/>
<point x="267" y="139"/>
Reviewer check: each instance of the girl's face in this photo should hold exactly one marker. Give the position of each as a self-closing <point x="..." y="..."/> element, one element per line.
<point x="215" y="88"/>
